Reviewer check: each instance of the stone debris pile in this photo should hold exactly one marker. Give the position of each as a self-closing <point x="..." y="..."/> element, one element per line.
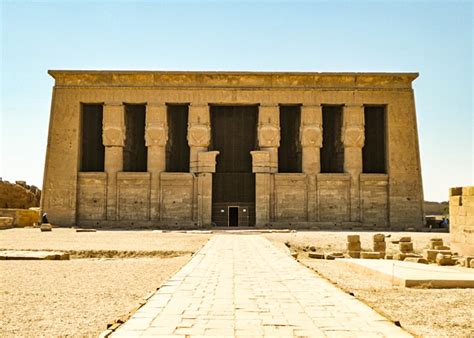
<point x="437" y="253"/>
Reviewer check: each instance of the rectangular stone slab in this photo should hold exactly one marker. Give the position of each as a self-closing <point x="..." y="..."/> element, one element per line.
<point x="33" y="255"/>
<point x="410" y="274"/>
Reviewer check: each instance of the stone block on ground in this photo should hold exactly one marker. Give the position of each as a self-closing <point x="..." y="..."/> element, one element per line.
<point x="86" y="230"/>
<point x="471" y="264"/>
<point x="334" y="255"/>
<point x="405" y="247"/>
<point x="380" y="246"/>
<point x="388" y="256"/>
<point x="312" y="248"/>
<point x="316" y="255"/>
<point x="354" y="254"/>
<point x="354" y="246"/>
<point x="353" y="239"/>
<point x="405" y="239"/>
<point x="46" y="227"/>
<point x="369" y="255"/>
<point x="445" y="259"/>
<point x="416" y="260"/>
<point x="401" y="256"/>
<point x="33" y="255"/>
<point x="469" y="259"/>
<point x="379" y="238"/>
<point x="6" y="222"/>
<point x="442" y="247"/>
<point x="430" y="254"/>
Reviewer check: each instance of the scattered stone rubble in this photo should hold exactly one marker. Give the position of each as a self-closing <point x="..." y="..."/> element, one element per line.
<point x="438" y="253"/>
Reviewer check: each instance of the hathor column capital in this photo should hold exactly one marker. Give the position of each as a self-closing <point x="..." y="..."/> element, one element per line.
<point x="113" y="132"/>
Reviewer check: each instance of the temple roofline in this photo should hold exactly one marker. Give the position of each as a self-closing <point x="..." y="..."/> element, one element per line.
<point x="232" y="79"/>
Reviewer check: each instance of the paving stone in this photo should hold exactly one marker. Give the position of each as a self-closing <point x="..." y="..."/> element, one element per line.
<point x="242" y="285"/>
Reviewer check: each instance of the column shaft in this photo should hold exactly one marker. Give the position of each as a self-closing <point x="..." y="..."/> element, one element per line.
<point x="353" y="139"/>
<point x="113" y="137"/>
<point x="156" y="136"/>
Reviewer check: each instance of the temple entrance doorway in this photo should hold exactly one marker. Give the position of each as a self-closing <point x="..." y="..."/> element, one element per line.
<point x="234" y="135"/>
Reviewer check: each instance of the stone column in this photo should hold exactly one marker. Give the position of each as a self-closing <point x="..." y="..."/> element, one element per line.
<point x="156" y="136"/>
<point x="262" y="167"/>
<point x="353" y="139"/>
<point x="311" y="135"/>
<point x="199" y="132"/>
<point x="206" y="167"/>
<point x="269" y="133"/>
<point x="113" y="138"/>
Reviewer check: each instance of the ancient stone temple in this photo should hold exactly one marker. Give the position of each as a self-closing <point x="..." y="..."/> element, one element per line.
<point x="194" y="149"/>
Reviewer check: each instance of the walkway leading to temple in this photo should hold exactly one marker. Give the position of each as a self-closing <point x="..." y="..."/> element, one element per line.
<point x="241" y="285"/>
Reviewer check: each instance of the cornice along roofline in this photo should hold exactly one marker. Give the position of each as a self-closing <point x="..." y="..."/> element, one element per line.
<point x="227" y="79"/>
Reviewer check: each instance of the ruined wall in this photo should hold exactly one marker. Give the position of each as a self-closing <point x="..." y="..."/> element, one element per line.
<point x="461" y="219"/>
<point x="19" y="195"/>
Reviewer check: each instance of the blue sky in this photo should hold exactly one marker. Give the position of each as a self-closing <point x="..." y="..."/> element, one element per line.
<point x="434" y="38"/>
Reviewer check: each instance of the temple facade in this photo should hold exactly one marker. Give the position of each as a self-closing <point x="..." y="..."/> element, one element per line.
<point x="200" y="149"/>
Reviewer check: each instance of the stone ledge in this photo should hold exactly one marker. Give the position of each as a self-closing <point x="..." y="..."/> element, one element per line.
<point x="186" y="79"/>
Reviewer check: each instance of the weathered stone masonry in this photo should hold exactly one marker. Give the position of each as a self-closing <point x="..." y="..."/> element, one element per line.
<point x="369" y="174"/>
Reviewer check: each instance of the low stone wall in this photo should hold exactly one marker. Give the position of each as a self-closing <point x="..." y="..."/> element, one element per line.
<point x="22" y="217"/>
<point x="461" y="219"/>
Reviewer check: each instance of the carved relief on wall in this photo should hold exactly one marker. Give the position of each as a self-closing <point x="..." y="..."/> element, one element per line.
<point x="199" y="135"/>
<point x="268" y="135"/>
<point x="113" y="136"/>
<point x="156" y="134"/>
<point x="312" y="136"/>
<point x="353" y="136"/>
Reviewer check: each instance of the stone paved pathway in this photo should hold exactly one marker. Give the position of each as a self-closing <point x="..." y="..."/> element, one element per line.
<point x="241" y="285"/>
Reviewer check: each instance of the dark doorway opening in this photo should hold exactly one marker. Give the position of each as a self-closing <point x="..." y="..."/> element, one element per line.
<point x="177" y="148"/>
<point x="289" y="152"/>
<point x="373" y="153"/>
<point x="332" y="152"/>
<point x="135" y="152"/>
<point x="92" y="148"/>
<point x="234" y="135"/>
<point x="233" y="216"/>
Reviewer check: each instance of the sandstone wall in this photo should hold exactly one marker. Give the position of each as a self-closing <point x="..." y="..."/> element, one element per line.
<point x="461" y="219"/>
<point x="393" y="200"/>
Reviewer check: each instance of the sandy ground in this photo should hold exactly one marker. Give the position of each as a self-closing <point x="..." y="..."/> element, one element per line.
<point x="77" y="297"/>
<point x="328" y="241"/>
<point x="69" y="239"/>
<point x="423" y="312"/>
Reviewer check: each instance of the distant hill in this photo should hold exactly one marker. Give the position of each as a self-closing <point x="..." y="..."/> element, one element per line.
<point x="436" y="208"/>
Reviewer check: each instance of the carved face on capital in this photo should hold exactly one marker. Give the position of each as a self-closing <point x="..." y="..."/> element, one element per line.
<point x="156" y="135"/>
<point x="199" y="135"/>
<point x="312" y="136"/>
<point x="269" y="136"/>
<point x="113" y="136"/>
<point x="353" y="136"/>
